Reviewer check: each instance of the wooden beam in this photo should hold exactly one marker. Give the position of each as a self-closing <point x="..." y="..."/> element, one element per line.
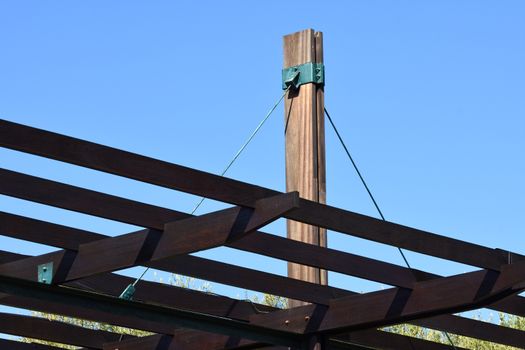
<point x="150" y="170"/>
<point x="261" y="243"/>
<point x="150" y="317"/>
<point x="479" y="330"/>
<point x="86" y="201"/>
<point x="147" y="246"/>
<point x="184" y="340"/>
<point x="304" y="134"/>
<point x="183" y="298"/>
<point x="17" y="345"/>
<point x="390" y="341"/>
<point x="396" y="305"/>
<point x="54" y="331"/>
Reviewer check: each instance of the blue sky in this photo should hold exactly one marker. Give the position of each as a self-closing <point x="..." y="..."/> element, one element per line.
<point x="429" y="97"/>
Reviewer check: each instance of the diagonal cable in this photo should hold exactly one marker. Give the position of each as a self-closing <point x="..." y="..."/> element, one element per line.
<point x="128" y="292"/>
<point x="356" y="168"/>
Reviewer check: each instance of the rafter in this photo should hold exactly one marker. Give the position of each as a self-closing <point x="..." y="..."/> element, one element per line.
<point x="150" y="170"/>
<point x="87" y="258"/>
<point x="148" y="246"/>
<point x="55" y="331"/>
<point x="429" y="298"/>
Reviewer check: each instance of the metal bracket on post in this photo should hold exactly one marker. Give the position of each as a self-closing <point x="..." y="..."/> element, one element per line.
<point x="45" y="273"/>
<point x="303" y="74"/>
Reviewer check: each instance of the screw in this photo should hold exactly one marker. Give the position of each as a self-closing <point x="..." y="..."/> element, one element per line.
<point x="287" y="322"/>
<point x="307" y="318"/>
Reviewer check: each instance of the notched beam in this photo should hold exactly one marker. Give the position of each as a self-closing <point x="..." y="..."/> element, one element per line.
<point x="137" y="248"/>
<point x="429" y="298"/>
<point x="216" y="229"/>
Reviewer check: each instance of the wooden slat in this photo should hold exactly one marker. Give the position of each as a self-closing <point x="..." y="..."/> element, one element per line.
<point x="205" y="269"/>
<point x="146" y="246"/>
<point x="250" y="279"/>
<point x="38" y="231"/>
<point x="479" y="330"/>
<point x="390" y="341"/>
<point x="222" y="306"/>
<point x="134" y="166"/>
<point x="54" y="331"/>
<point x="16" y="345"/>
<point x="81" y="200"/>
<point x="445" y="295"/>
<point x="184" y="340"/>
<point x="154" y="318"/>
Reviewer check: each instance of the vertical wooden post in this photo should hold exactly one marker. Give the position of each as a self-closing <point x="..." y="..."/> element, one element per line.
<point x="305" y="146"/>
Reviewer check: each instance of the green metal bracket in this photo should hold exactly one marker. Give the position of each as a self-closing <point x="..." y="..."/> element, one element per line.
<point x="45" y="273"/>
<point x="127" y="294"/>
<point x="303" y="74"/>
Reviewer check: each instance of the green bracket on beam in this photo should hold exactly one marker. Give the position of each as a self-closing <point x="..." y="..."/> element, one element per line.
<point x="127" y="294"/>
<point x="45" y="273"/>
<point x="303" y="74"/>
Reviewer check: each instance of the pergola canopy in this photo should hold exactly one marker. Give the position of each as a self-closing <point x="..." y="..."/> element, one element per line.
<point x="79" y="279"/>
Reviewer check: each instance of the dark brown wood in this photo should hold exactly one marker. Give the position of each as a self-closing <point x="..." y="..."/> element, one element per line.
<point x="44" y="329"/>
<point x="221" y="306"/>
<point x="249" y="279"/>
<point x="147" y="291"/>
<point x="81" y="200"/>
<point x="185" y="340"/>
<point x="421" y="295"/>
<point x="16" y="345"/>
<point x="391" y="341"/>
<point x="150" y="170"/>
<point x="429" y="298"/>
<point x="38" y="231"/>
<point x="146" y="246"/>
<point x="304" y="139"/>
<point x="135" y="314"/>
<point x="479" y="330"/>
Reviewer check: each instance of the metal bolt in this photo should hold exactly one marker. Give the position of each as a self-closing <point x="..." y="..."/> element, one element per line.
<point x="44" y="268"/>
<point x="307" y="318"/>
<point x="287" y="322"/>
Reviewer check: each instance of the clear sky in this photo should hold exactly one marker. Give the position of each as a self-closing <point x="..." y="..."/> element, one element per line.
<point x="429" y="95"/>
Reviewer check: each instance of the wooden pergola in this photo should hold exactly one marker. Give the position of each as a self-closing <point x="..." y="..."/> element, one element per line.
<point x="78" y="280"/>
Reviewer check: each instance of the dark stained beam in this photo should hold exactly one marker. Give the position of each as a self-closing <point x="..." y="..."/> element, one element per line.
<point x="134" y="166"/>
<point x="187" y="265"/>
<point x="361" y="340"/>
<point x="154" y="318"/>
<point x="391" y="341"/>
<point x="429" y="298"/>
<point x="65" y="237"/>
<point x="211" y="270"/>
<point x="138" y="248"/>
<point x="54" y="331"/>
<point x="479" y="330"/>
<point x="184" y="340"/>
<point x="222" y="306"/>
<point x="44" y="232"/>
<point x="16" y="345"/>
<point x="124" y="210"/>
<point x="85" y="201"/>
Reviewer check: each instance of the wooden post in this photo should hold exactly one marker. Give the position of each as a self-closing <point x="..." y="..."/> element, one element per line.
<point x="305" y="146"/>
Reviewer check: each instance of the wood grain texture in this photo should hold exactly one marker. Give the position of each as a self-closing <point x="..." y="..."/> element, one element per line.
<point x="304" y="140"/>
